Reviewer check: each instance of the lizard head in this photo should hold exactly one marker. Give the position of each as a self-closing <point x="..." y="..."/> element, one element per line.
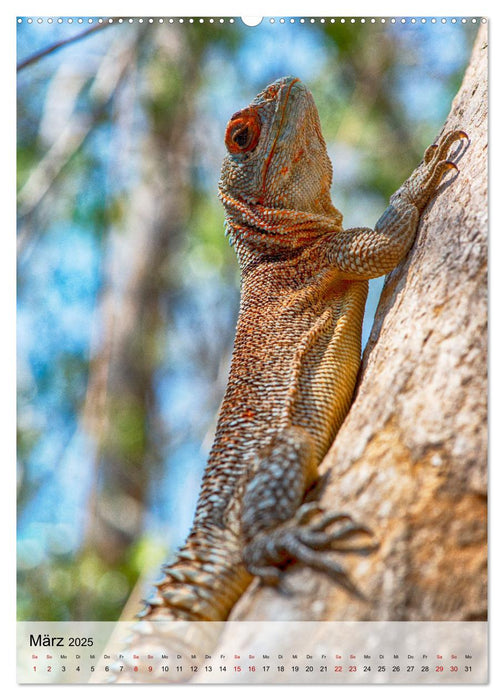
<point x="276" y="155"/>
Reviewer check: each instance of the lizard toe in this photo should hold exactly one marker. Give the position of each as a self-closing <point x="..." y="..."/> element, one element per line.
<point x="306" y="540"/>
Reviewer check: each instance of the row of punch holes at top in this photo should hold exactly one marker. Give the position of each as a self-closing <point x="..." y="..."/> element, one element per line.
<point x="252" y="21"/>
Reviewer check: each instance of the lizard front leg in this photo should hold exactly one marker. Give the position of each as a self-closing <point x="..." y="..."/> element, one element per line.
<point x="277" y="527"/>
<point x="364" y="253"/>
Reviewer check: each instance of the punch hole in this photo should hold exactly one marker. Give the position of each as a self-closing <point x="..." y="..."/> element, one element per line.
<point x="251" y="21"/>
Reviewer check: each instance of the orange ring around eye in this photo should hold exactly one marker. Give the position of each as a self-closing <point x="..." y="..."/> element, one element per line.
<point x="243" y="131"/>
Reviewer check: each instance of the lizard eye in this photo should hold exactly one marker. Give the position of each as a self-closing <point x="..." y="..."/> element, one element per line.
<point x="243" y="131"/>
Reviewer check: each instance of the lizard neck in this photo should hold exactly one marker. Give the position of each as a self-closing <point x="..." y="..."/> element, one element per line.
<point x="254" y="229"/>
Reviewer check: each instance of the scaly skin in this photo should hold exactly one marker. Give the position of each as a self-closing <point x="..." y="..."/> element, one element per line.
<point x="296" y="354"/>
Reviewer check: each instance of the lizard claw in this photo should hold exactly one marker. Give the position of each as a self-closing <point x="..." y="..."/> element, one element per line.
<point x="441" y="150"/>
<point x="305" y="539"/>
<point x="424" y="181"/>
<point x="450" y="165"/>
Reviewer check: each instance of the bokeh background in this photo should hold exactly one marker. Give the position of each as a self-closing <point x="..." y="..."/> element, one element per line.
<point x="127" y="288"/>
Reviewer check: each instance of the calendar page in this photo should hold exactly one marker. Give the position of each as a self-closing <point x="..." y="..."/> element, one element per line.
<point x="252" y="350"/>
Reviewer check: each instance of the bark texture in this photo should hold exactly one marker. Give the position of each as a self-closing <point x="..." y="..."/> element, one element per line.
<point x="410" y="459"/>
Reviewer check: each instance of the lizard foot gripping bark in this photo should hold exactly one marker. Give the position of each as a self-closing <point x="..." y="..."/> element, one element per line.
<point x="296" y="354"/>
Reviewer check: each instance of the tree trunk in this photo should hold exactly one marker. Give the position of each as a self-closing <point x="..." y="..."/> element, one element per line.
<point x="410" y="459"/>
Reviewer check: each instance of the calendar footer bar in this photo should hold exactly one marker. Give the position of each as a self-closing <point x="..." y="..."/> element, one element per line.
<point x="252" y="652"/>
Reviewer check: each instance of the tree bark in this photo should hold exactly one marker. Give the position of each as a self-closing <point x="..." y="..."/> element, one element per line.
<point x="410" y="459"/>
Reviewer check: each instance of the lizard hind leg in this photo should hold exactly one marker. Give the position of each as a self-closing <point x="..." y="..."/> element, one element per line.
<point x="279" y="528"/>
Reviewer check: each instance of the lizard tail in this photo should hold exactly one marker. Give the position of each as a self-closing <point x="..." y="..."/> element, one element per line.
<point x="203" y="583"/>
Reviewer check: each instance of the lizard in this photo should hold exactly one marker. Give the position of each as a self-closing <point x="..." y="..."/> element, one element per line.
<point x="296" y="356"/>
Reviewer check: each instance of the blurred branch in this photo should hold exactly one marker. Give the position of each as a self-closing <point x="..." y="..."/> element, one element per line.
<point x="34" y="58"/>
